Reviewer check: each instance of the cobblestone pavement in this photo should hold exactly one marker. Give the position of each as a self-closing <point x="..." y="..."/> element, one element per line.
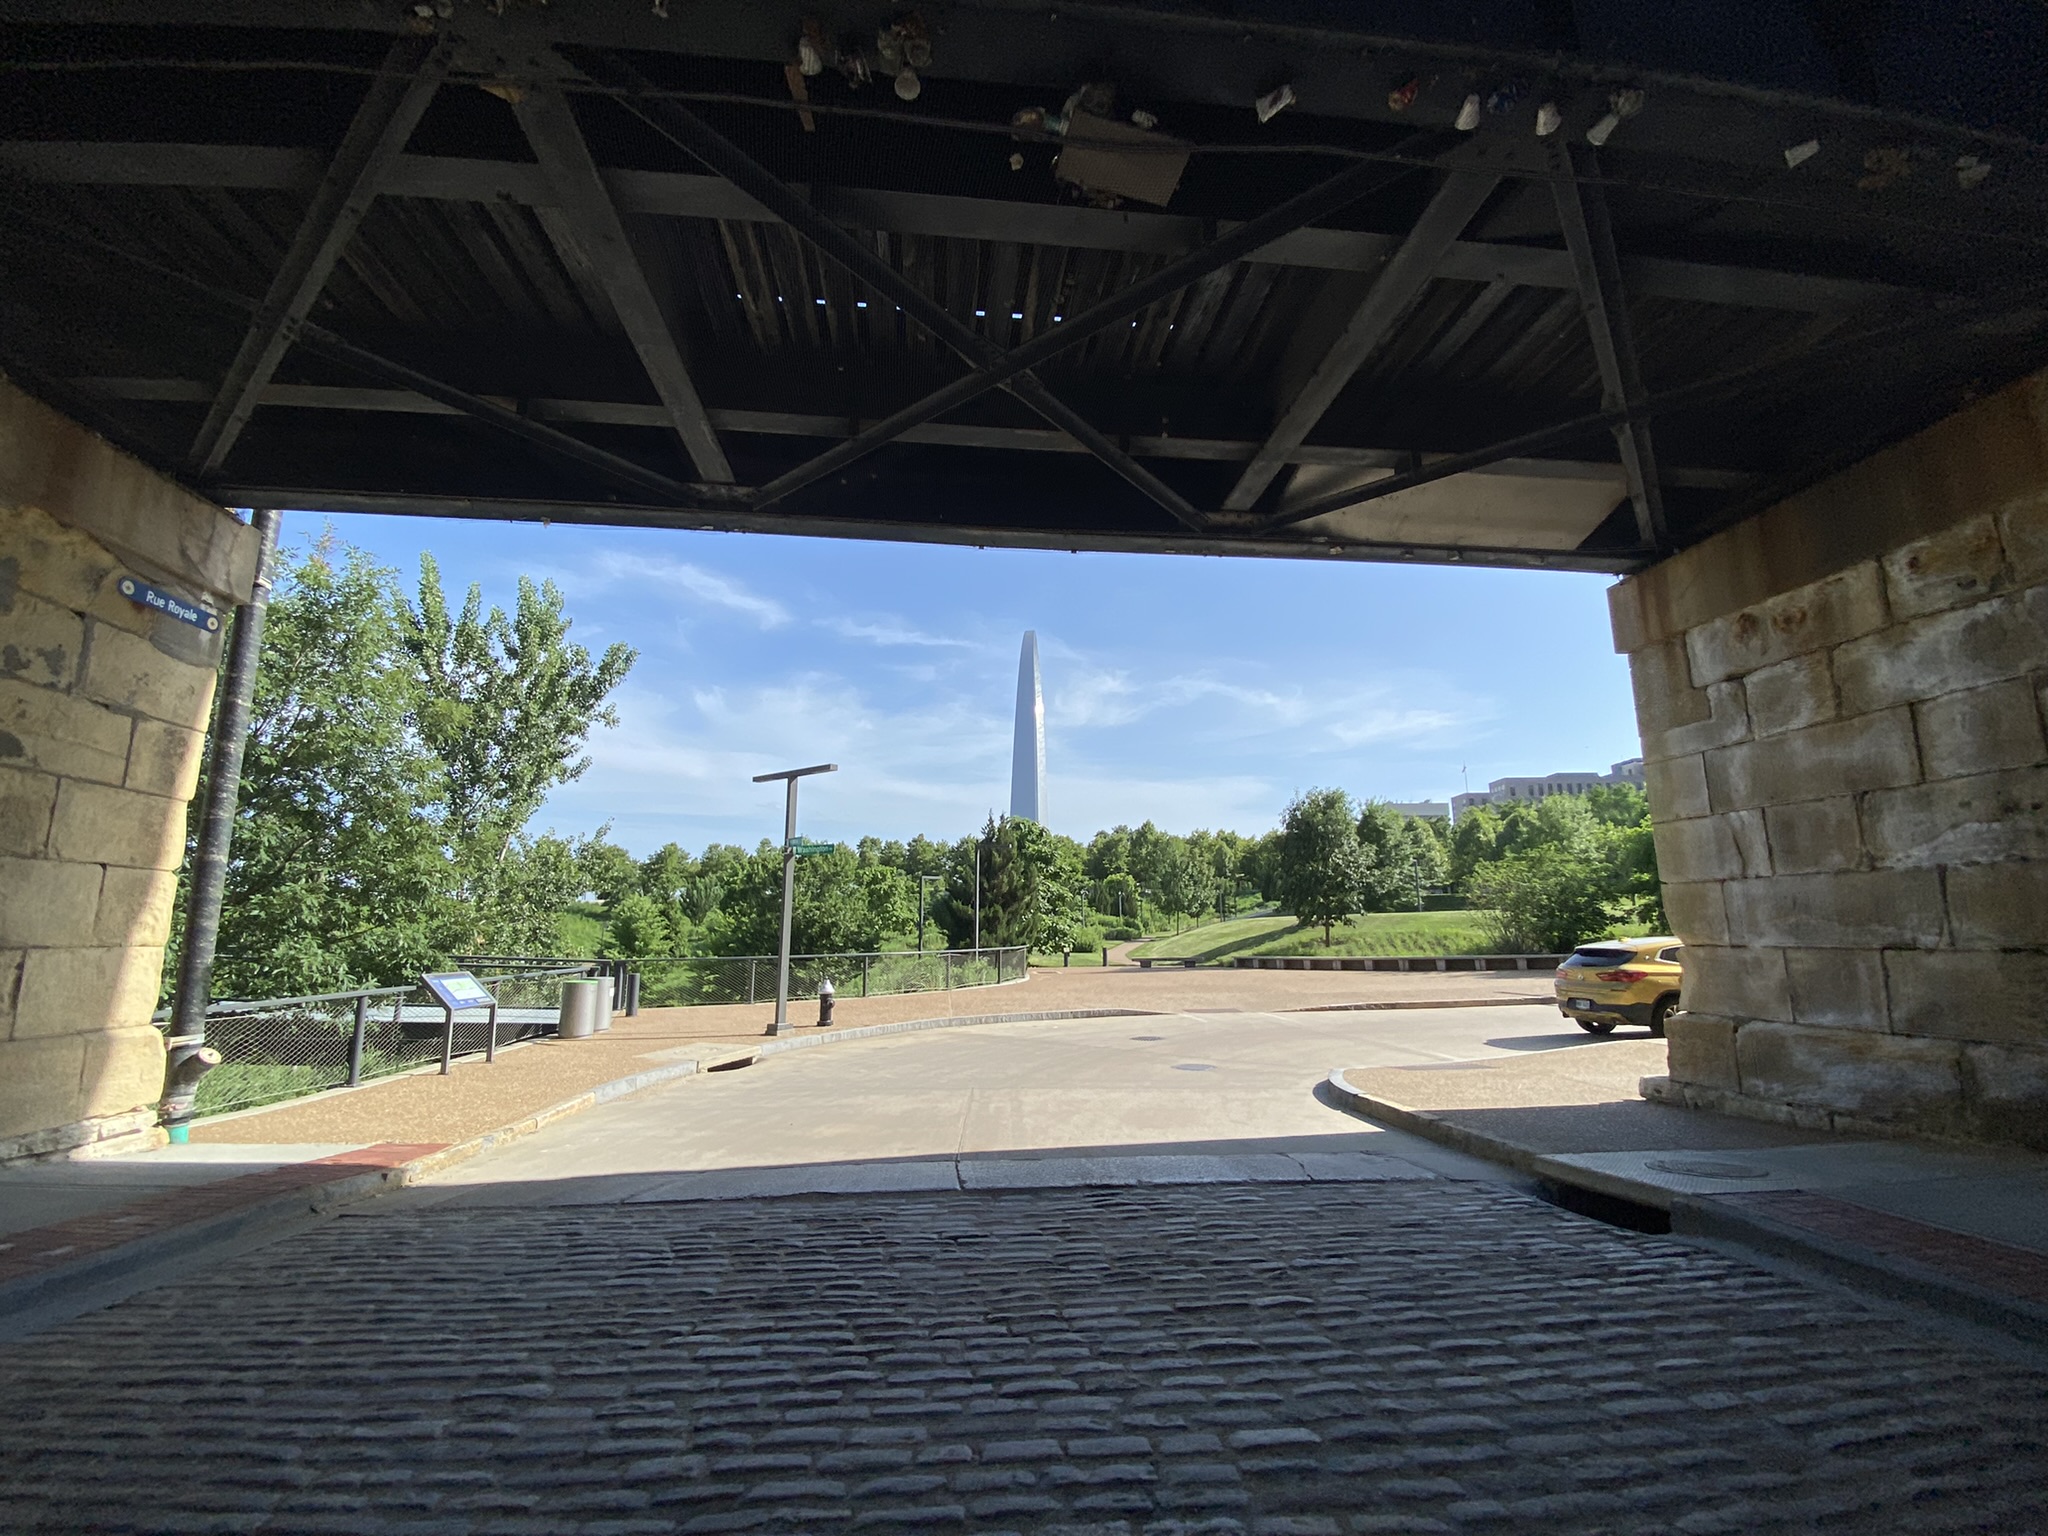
<point x="1421" y="1356"/>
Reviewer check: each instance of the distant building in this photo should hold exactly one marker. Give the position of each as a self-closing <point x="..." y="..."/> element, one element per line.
<point x="1438" y="808"/>
<point x="1027" y="758"/>
<point x="1526" y="791"/>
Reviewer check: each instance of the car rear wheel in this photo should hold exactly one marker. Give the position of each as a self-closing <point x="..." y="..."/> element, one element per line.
<point x="1659" y="1013"/>
<point x="1597" y="1026"/>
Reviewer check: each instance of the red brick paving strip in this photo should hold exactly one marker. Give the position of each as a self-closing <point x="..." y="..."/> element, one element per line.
<point x="40" y="1249"/>
<point x="1996" y="1266"/>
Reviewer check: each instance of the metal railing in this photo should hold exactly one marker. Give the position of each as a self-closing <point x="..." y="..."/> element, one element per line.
<point x="696" y="981"/>
<point x="281" y="1048"/>
<point x="683" y="981"/>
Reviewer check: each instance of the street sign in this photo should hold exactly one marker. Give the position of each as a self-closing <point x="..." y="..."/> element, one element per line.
<point x="809" y="850"/>
<point x="165" y="602"/>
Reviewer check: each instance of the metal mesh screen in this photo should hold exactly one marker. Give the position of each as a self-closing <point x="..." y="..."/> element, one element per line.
<point x="712" y="979"/>
<point x="285" y="1048"/>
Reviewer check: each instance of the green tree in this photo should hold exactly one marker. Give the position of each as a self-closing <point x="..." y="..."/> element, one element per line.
<point x="1032" y="884"/>
<point x="638" y="929"/>
<point x="506" y="703"/>
<point x="1543" y="900"/>
<point x="1187" y="883"/>
<point x="604" y="869"/>
<point x="338" y="875"/>
<point x="1475" y="840"/>
<point x="1325" y="872"/>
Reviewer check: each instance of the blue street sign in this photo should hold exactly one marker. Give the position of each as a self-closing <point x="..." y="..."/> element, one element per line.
<point x="164" y="602"/>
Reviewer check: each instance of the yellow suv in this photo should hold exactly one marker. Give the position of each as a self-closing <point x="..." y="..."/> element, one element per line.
<point x="1621" y="981"/>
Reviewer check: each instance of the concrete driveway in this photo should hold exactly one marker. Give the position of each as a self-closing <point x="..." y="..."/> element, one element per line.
<point x="1187" y="1082"/>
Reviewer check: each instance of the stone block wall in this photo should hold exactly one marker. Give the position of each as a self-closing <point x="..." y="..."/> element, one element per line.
<point x="103" y="713"/>
<point x="1841" y="707"/>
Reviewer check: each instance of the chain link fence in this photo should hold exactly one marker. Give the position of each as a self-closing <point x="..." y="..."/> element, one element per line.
<point x="287" y="1047"/>
<point x="702" y="980"/>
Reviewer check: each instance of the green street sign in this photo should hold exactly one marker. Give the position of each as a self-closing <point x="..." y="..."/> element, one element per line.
<point x="808" y="850"/>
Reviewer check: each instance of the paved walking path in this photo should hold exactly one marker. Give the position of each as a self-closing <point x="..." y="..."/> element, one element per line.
<point x="475" y="1097"/>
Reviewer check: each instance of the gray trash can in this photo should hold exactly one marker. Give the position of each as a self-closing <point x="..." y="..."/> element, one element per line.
<point x="603" y="1017"/>
<point x="580" y="1003"/>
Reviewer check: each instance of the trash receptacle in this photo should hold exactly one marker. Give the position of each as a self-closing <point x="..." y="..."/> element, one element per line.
<point x="607" y="997"/>
<point x="580" y="1002"/>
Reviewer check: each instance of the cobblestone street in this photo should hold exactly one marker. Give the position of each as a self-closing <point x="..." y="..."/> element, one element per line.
<point x="1419" y="1356"/>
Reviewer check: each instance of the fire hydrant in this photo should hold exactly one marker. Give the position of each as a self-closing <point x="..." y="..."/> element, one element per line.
<point x="824" y="1005"/>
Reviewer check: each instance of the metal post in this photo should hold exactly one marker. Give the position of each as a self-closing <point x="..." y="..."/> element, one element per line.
<point x="789" y="777"/>
<point x="355" y="1044"/>
<point x="863" y="975"/>
<point x="750" y="979"/>
<point x="447" y="1040"/>
<point x="788" y="908"/>
<point x="949" y="970"/>
<point x="223" y="787"/>
<point x="977" y="895"/>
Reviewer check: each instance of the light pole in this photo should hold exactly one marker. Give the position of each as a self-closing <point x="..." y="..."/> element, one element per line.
<point x="922" y="880"/>
<point x="789" y="776"/>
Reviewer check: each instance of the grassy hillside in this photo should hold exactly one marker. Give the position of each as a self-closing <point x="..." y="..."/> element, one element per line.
<point x="1212" y="939"/>
<point x="1376" y="933"/>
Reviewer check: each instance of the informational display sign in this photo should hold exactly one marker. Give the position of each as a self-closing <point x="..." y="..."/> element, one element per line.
<point x="184" y="611"/>
<point x="458" y="989"/>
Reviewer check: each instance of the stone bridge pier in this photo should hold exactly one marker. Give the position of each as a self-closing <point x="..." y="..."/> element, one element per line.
<point x="103" y="713"/>
<point x="1841" y="711"/>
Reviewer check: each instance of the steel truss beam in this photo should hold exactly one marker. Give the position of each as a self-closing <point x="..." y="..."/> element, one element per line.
<point x="2027" y="306"/>
<point x="319" y="339"/>
<point x="1603" y="300"/>
<point x="412" y="71"/>
<point x="594" y="224"/>
<point x="1394" y="292"/>
<point x="735" y="518"/>
<point x="669" y="194"/>
<point x="332" y="397"/>
<point x="1341" y="190"/>
<point x="689" y="132"/>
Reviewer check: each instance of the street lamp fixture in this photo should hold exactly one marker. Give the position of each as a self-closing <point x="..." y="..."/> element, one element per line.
<point x="789" y="853"/>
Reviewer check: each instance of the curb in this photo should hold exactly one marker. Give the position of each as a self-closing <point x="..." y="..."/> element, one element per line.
<point x="1888" y="1274"/>
<point x="1717" y="1219"/>
<point x="278" y="1214"/>
<point x="1420" y="1122"/>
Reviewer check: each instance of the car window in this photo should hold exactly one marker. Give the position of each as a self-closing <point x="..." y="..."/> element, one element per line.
<point x="1602" y="957"/>
<point x="1675" y="954"/>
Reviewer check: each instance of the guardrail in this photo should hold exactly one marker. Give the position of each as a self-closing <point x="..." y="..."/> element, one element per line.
<point x="1398" y="962"/>
<point x="279" y="1048"/>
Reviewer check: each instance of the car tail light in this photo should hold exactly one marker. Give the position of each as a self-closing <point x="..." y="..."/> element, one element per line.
<point x="1622" y="975"/>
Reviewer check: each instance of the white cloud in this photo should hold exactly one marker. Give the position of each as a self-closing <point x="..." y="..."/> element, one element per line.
<point x="889" y="630"/>
<point x="614" y="568"/>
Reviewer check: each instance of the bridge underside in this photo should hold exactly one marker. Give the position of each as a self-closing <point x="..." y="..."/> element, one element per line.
<point x="605" y="265"/>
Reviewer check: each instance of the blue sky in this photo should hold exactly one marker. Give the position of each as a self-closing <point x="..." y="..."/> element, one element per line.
<point x="1195" y="692"/>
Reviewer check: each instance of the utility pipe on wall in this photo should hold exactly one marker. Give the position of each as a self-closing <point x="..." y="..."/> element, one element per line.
<point x="190" y="1058"/>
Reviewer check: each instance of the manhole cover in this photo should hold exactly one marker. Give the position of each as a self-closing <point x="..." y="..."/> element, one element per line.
<point x="1192" y="1066"/>
<point x="1703" y="1168"/>
<point x="1148" y="1037"/>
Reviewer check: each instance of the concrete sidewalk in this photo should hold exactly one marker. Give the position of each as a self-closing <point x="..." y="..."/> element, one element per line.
<point x="1965" y="1228"/>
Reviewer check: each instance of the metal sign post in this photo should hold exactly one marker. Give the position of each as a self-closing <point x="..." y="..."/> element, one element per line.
<point x="789" y="857"/>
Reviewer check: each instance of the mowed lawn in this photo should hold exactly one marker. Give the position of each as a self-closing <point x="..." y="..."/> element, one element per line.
<point x="1375" y="933"/>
